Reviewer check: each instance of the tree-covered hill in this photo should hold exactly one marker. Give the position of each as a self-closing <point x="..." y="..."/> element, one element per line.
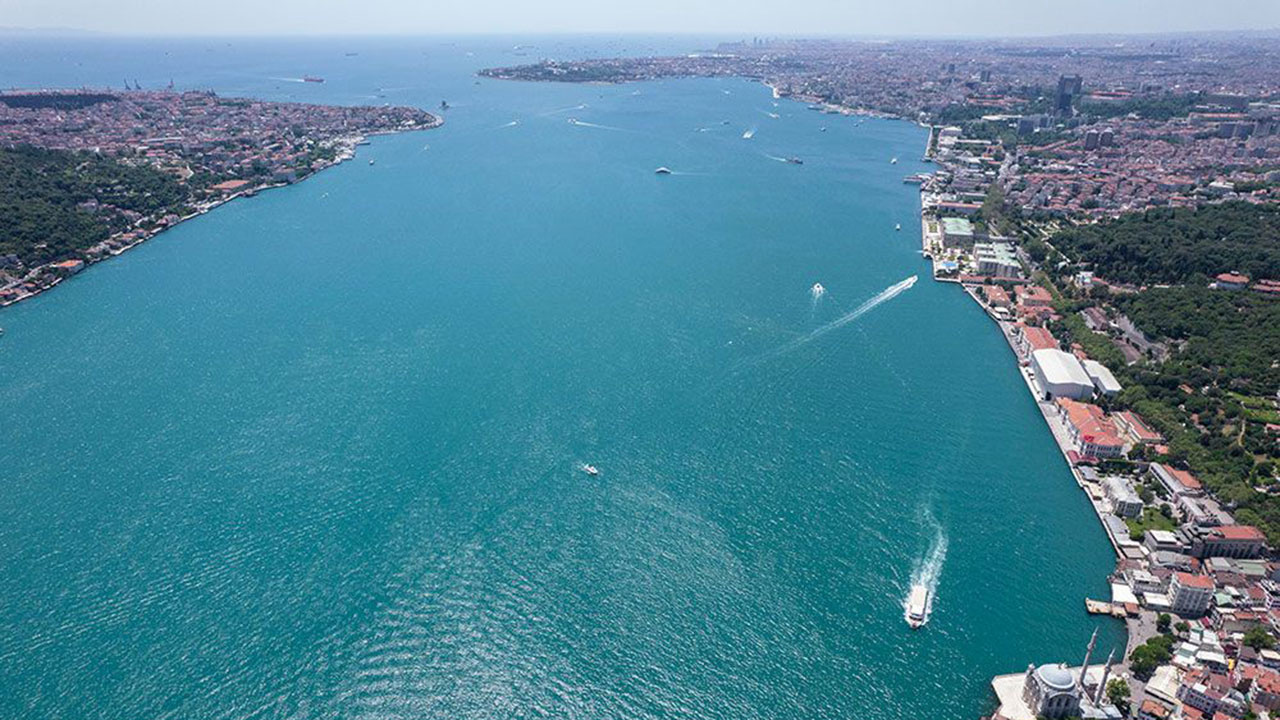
<point x="1173" y="245"/>
<point x="56" y="203"/>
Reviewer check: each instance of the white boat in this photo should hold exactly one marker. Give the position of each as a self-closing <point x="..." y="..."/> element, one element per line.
<point x="894" y="161"/>
<point x="664" y="170"/>
<point x="898" y="226"/>
<point x="918" y="606"/>
<point x="590" y="469"/>
<point x="370" y="162"/>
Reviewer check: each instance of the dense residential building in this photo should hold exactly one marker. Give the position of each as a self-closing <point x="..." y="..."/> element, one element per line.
<point x="1189" y="594"/>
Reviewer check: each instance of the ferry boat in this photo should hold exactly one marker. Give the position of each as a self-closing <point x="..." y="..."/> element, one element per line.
<point x="918" y="606"/>
<point x="590" y="469"/>
<point x="312" y="78"/>
<point x="664" y="170"/>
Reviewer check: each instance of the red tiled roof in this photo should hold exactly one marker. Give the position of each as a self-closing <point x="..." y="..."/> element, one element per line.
<point x="1200" y="582"/>
<point x="1241" y="532"/>
<point x="1037" y="337"/>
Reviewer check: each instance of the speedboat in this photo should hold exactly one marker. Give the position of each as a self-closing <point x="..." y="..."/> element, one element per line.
<point x="664" y="170"/>
<point x="795" y="161"/>
<point x="918" y="606"/>
<point x="590" y="469"/>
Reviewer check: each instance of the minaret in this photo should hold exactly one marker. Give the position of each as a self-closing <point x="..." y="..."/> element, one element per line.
<point x="1084" y="669"/>
<point x="1102" y="686"/>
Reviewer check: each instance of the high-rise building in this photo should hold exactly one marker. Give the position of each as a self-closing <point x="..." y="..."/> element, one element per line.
<point x="1069" y="87"/>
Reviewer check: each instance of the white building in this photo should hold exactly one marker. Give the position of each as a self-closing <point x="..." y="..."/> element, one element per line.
<point x="1124" y="501"/>
<point x="1103" y="380"/>
<point x="1060" y="374"/>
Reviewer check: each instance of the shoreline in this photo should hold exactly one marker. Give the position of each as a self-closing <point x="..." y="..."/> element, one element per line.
<point x="346" y="150"/>
<point x="1138" y="627"/>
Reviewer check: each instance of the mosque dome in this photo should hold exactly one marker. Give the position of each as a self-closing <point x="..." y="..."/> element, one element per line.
<point x="1055" y="677"/>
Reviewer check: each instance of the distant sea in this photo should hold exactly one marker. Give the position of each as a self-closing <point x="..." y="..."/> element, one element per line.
<point x="318" y="453"/>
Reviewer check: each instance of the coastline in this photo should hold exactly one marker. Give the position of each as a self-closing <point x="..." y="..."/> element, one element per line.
<point x="346" y="150"/>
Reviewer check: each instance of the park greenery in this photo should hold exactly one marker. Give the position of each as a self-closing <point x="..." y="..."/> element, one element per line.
<point x="1215" y="394"/>
<point x="1150" y="655"/>
<point x="1179" y="245"/>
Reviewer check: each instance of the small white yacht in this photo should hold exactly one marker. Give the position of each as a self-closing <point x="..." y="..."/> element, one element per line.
<point x="590" y="469"/>
<point x="918" y="606"/>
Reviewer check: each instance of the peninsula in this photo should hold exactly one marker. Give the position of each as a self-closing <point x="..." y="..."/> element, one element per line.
<point x="88" y="174"/>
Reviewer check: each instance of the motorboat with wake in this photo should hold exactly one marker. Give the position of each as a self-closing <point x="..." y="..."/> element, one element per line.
<point x="919" y="604"/>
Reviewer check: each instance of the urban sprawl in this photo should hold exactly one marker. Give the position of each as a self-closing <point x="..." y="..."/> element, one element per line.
<point x="90" y="174"/>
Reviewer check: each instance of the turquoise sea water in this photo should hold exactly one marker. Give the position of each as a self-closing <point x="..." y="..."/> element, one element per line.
<point x="317" y="454"/>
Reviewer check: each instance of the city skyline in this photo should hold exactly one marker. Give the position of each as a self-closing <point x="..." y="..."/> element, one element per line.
<point x="930" y="18"/>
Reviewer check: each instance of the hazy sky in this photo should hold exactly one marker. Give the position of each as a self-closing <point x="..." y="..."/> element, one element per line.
<point x="826" y="17"/>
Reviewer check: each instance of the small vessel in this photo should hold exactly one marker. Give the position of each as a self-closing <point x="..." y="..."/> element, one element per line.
<point x="444" y="104"/>
<point x="664" y="170"/>
<point x="371" y="162"/>
<point x="795" y="161"/>
<point x="918" y="606"/>
<point x="893" y="161"/>
<point x="897" y="226"/>
<point x="573" y="121"/>
<point x="590" y="469"/>
<point x="822" y="129"/>
<point x="312" y="79"/>
<point x="749" y="134"/>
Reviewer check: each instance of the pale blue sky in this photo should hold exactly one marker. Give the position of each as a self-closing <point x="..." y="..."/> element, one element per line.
<point x="826" y="17"/>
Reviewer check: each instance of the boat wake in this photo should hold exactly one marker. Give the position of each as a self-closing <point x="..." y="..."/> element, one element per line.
<point x="928" y="568"/>
<point x="816" y="293"/>
<point x="289" y="79"/>
<point x="584" y="123"/>
<point x="513" y="123"/>
<point x="879" y="299"/>
<point x="583" y="106"/>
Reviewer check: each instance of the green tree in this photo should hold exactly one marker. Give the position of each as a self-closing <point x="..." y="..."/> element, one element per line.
<point x="1258" y="638"/>
<point x="1162" y="622"/>
<point x="1118" y="694"/>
